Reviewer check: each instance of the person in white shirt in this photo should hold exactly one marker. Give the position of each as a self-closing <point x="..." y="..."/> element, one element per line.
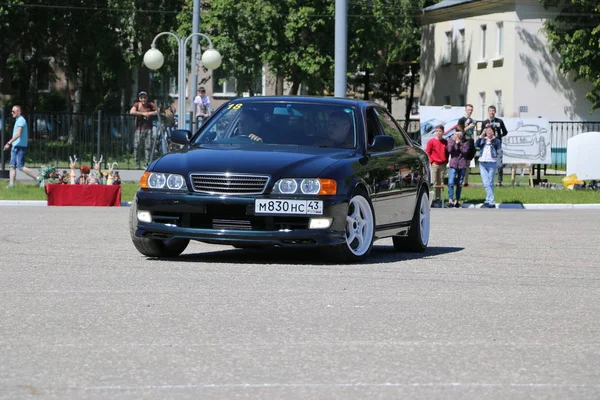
<point x="203" y="108"/>
<point x="488" y="157"/>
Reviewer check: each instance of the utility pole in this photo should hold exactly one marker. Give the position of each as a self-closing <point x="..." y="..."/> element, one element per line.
<point x="194" y="67"/>
<point x="341" y="47"/>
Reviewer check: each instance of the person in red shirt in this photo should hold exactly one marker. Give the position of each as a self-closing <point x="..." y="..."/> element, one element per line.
<point x="437" y="150"/>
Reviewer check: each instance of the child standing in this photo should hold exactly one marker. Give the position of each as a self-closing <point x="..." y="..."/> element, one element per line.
<point x="437" y="150"/>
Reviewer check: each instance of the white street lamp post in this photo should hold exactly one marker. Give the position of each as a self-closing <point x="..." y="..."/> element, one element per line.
<point x="154" y="59"/>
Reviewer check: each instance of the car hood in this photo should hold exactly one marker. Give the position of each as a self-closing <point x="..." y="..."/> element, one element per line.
<point x="252" y="159"/>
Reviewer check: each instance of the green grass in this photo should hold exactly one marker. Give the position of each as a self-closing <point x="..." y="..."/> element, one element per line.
<point x="505" y="194"/>
<point x="30" y="191"/>
<point x="522" y="181"/>
<point x="528" y="195"/>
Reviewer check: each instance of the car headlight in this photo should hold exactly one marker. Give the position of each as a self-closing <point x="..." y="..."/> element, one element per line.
<point x="175" y="182"/>
<point x="310" y="186"/>
<point x="161" y="180"/>
<point x="307" y="186"/>
<point x="287" y="186"/>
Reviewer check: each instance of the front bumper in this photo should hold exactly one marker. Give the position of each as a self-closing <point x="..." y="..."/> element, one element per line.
<point x="231" y="220"/>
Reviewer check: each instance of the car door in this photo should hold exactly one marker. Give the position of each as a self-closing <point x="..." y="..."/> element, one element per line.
<point x="406" y="166"/>
<point x="382" y="176"/>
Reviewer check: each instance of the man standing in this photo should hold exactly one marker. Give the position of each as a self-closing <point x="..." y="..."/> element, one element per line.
<point x="203" y="108"/>
<point x="145" y="113"/>
<point x="18" y="147"/>
<point x="437" y="150"/>
<point x="467" y="123"/>
<point x="499" y="132"/>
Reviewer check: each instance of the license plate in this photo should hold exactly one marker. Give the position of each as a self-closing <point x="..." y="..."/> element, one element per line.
<point x="313" y="207"/>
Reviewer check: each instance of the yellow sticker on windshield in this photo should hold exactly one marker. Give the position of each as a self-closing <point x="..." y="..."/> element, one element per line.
<point x="236" y="106"/>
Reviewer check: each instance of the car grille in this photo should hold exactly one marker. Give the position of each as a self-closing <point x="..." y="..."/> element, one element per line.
<point x="236" y="217"/>
<point x="230" y="217"/>
<point x="229" y="183"/>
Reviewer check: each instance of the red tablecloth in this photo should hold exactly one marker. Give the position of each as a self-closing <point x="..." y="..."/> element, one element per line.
<point x="83" y="195"/>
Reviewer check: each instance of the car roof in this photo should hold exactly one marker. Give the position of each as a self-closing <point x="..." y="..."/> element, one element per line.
<point x="307" y="100"/>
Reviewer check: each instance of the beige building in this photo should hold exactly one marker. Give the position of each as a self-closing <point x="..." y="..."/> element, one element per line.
<point x="488" y="52"/>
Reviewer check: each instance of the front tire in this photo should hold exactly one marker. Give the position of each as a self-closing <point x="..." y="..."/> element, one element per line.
<point x="151" y="247"/>
<point x="418" y="235"/>
<point x="360" y="230"/>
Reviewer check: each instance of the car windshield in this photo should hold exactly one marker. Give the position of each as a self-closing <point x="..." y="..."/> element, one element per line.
<point x="282" y="123"/>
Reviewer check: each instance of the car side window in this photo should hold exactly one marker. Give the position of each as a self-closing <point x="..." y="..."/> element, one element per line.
<point x="390" y="127"/>
<point x="373" y="128"/>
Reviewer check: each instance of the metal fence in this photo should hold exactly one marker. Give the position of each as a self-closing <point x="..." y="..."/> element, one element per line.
<point x="561" y="132"/>
<point x="54" y="137"/>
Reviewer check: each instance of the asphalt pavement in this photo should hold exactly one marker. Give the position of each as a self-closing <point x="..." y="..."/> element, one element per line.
<point x="504" y="304"/>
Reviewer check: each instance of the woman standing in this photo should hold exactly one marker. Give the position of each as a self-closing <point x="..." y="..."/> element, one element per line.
<point x="459" y="150"/>
<point x="488" y="156"/>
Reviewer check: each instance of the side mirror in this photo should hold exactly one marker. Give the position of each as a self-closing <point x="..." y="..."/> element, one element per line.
<point x="382" y="143"/>
<point x="181" y="136"/>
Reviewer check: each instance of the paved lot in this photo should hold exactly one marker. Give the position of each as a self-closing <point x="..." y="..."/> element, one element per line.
<point x="506" y="306"/>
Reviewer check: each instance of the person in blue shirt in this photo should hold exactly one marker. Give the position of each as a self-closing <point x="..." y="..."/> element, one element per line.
<point x="18" y="147"/>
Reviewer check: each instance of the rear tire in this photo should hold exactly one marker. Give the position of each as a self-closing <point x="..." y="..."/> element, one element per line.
<point x="418" y="235"/>
<point x="151" y="247"/>
<point x="360" y="230"/>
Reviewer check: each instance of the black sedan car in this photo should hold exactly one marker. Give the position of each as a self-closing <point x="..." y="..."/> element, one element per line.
<point x="287" y="171"/>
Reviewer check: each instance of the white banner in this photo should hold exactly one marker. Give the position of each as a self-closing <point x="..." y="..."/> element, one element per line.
<point x="432" y="116"/>
<point x="528" y="140"/>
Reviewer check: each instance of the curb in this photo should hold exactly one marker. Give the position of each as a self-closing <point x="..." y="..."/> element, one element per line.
<point x="38" y="203"/>
<point x="518" y="206"/>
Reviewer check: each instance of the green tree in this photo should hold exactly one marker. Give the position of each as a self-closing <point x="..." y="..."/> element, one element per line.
<point x="575" y="35"/>
<point x="237" y="33"/>
<point x="97" y="44"/>
<point x="384" y="39"/>
<point x="293" y="37"/>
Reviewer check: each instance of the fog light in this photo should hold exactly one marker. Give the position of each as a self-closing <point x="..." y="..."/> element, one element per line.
<point x="320" y="223"/>
<point x="144" y="216"/>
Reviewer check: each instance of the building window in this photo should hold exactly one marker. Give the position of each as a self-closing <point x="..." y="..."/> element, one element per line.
<point x="461" y="100"/>
<point x="461" y="46"/>
<point x="483" y="41"/>
<point x="223" y="85"/>
<point x="500" y="39"/>
<point x="482" y="104"/>
<point x="448" y="51"/>
<point x="499" y="108"/>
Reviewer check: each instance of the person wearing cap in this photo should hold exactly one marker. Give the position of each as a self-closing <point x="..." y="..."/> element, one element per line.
<point x="145" y="113"/>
